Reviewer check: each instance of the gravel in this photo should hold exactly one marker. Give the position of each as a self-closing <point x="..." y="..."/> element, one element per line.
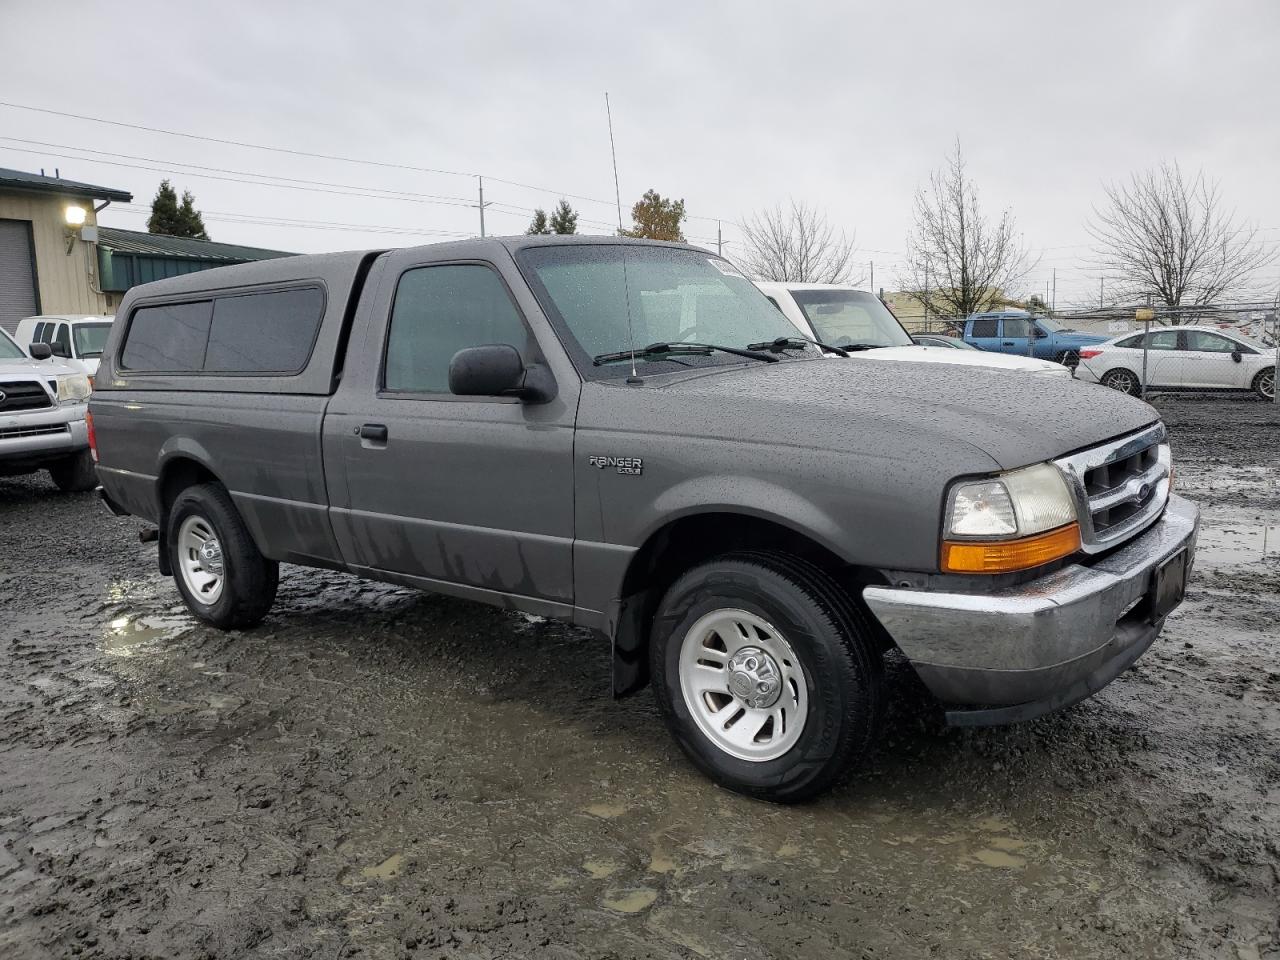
<point x="375" y="772"/>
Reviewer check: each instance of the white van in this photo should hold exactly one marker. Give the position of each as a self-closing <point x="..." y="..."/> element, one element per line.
<point x="71" y="336"/>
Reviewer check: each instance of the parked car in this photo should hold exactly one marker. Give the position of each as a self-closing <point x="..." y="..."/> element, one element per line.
<point x="858" y="321"/>
<point x="70" y="336"/>
<point x="939" y="340"/>
<point x="626" y="435"/>
<point x="42" y="417"/>
<point x="1182" y="358"/>
<point x="1021" y="333"/>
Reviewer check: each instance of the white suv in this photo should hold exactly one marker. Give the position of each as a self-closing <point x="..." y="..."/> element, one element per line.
<point x="42" y="416"/>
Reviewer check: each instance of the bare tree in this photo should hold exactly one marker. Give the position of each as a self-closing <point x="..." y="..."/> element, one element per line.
<point x="798" y="245"/>
<point x="958" y="260"/>
<point x="1165" y="236"/>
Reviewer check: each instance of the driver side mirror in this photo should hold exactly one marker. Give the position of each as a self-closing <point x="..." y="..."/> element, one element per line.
<point x="41" y="351"/>
<point x="498" y="370"/>
<point x="60" y="350"/>
<point x="1038" y="333"/>
<point x="1236" y="355"/>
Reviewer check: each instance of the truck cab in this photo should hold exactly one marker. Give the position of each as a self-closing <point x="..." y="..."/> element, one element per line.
<point x="1028" y="335"/>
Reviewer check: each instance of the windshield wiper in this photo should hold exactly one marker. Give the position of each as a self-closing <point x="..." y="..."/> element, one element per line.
<point x="676" y="349"/>
<point x="784" y="343"/>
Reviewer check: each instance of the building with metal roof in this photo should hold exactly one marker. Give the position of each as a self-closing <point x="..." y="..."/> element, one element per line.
<point x="127" y="258"/>
<point x="55" y="259"/>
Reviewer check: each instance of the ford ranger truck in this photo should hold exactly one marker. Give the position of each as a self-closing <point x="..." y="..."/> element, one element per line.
<point x="1018" y="332"/>
<point x="627" y="436"/>
<point x="42" y="417"/>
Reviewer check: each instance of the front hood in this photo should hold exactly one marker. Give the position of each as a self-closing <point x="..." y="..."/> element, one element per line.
<point x="964" y="358"/>
<point x="1083" y="338"/>
<point x="842" y="404"/>
<point x="38" y="369"/>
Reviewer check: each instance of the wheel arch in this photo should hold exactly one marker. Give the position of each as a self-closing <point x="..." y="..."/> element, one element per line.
<point x="183" y="464"/>
<point x="693" y="537"/>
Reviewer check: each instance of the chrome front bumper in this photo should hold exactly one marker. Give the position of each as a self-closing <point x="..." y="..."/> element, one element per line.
<point x="1040" y="646"/>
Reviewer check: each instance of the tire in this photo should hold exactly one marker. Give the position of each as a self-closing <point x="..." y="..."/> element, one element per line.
<point x="1068" y="358"/>
<point x="834" y="685"/>
<point x="1126" y="381"/>
<point x="75" y="474"/>
<point x="232" y="585"/>
<point x="1264" y="384"/>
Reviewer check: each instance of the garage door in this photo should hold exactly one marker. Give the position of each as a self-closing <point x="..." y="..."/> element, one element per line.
<point x="17" y="274"/>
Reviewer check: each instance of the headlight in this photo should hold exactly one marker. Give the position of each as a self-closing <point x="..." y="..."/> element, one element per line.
<point x="1017" y="520"/>
<point x="73" y="388"/>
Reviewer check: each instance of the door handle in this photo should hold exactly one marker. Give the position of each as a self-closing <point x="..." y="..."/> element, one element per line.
<point x="377" y="432"/>
<point x="1007" y="343"/>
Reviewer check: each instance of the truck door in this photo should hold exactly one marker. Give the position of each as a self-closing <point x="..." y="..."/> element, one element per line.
<point x="465" y="495"/>
<point x="985" y="334"/>
<point x="1017" y="335"/>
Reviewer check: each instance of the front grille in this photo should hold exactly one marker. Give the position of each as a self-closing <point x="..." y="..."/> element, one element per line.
<point x="23" y="395"/>
<point x="1120" y="487"/>
<point x="48" y="430"/>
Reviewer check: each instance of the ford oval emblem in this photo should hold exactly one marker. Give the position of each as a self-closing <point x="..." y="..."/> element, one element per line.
<point x="1144" y="491"/>
<point x="3" y="395"/>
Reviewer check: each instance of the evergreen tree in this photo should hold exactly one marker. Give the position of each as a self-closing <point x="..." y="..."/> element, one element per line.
<point x="656" y="218"/>
<point x="190" y="220"/>
<point x="564" y="219"/>
<point x="164" y="217"/>
<point x="171" y="219"/>
<point x="539" y="224"/>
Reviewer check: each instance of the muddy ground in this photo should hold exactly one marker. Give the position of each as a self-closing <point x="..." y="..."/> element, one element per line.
<point x="379" y="773"/>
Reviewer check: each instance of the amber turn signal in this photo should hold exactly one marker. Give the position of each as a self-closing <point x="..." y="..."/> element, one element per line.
<point x="1006" y="556"/>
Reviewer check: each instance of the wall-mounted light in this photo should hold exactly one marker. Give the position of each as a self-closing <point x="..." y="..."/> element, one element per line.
<point x="74" y="217"/>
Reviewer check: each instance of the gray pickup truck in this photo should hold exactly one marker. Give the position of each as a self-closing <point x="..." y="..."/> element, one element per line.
<point x="630" y="437"/>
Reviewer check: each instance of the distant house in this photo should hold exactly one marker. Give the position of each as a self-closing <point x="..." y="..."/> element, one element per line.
<point x="55" y="259"/>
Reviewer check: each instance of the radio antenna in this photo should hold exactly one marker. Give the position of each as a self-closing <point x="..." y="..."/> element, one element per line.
<point x="617" y="196"/>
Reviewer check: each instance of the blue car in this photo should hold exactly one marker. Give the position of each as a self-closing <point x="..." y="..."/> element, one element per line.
<point x="1016" y="331"/>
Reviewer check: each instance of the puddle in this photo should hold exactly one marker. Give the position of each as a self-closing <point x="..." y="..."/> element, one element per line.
<point x="125" y="635"/>
<point x="605" y="811"/>
<point x="387" y="869"/>
<point x="661" y="863"/>
<point x="1225" y="543"/>
<point x="631" y="901"/>
<point x="1000" y="859"/>
<point x="599" y="869"/>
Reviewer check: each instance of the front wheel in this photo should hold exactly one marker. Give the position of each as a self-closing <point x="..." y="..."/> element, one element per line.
<point x="1123" y="380"/>
<point x="767" y="675"/>
<point x="1264" y="384"/>
<point x="216" y="565"/>
<point x="75" y="474"/>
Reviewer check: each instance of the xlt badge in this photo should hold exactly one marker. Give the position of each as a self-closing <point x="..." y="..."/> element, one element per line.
<point x="630" y="466"/>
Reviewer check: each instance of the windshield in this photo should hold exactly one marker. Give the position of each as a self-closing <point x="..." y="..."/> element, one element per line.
<point x="675" y="296"/>
<point x="847" y="317"/>
<point x="1053" y="326"/>
<point x="91" y="338"/>
<point x="8" y="349"/>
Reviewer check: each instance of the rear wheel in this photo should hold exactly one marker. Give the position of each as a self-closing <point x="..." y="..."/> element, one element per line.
<point x="1264" y="384"/>
<point x="1126" y="381"/>
<point x="75" y="474"/>
<point x="767" y="675"/>
<point x="221" y="575"/>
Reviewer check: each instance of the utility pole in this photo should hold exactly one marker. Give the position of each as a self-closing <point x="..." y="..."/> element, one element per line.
<point x="719" y="241"/>
<point x="482" y="205"/>
<point x="873" y="276"/>
<point x="1053" y="304"/>
<point x="1102" y="286"/>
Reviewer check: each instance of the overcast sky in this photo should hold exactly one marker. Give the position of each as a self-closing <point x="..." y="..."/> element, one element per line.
<point x="732" y="106"/>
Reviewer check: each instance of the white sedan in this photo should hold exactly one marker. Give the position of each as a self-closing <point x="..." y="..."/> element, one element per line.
<point x="1182" y="358"/>
<point x="847" y="317"/>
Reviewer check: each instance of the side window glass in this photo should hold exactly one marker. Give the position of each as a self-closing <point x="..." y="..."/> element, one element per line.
<point x="1208" y="342"/>
<point x="1163" y="340"/>
<point x="63" y="338"/>
<point x="439" y="311"/>
<point x="170" y="337"/>
<point x="264" y="332"/>
<point x="1017" y="328"/>
<point x="984" y="328"/>
<point x="1131" y="343"/>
